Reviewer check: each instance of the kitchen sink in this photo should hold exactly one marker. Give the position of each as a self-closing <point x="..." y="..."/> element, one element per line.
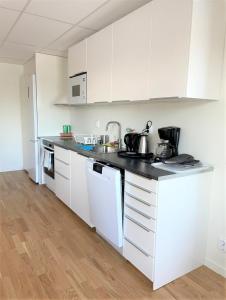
<point x="105" y="149"/>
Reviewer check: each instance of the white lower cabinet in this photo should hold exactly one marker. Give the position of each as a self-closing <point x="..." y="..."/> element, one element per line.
<point x="141" y="260"/>
<point x="165" y="225"/>
<point x="139" y="222"/>
<point x="139" y="235"/>
<point x="140" y="218"/>
<point x="79" y="191"/>
<point x="70" y="182"/>
<point x="62" y="188"/>
<point x="62" y="174"/>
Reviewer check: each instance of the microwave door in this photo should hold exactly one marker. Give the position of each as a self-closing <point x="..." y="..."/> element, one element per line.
<point x="77" y="90"/>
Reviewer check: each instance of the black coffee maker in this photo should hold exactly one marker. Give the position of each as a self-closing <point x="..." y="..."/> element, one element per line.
<point x="168" y="147"/>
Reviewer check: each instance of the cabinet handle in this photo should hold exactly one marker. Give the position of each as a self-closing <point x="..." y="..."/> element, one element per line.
<point x="61" y="175"/>
<point x="120" y="101"/>
<point x="139" y="187"/>
<point x="138" y="211"/>
<point x="138" y="199"/>
<point x="139" y="224"/>
<point x="138" y="248"/>
<point x="63" y="162"/>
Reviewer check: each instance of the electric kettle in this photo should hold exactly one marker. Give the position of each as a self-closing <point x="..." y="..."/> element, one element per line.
<point x="144" y="140"/>
<point x="131" y="142"/>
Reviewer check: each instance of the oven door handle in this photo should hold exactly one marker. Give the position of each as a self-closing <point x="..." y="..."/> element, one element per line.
<point x="48" y="149"/>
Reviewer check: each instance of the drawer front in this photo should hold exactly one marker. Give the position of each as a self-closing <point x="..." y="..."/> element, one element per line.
<point x="141" y="236"/>
<point x="142" y="182"/>
<point x="141" y="261"/>
<point x="147" y="197"/>
<point x="141" y="219"/>
<point x="142" y="207"/>
<point x="62" y="168"/>
<point x="62" y="154"/>
<point x="62" y="189"/>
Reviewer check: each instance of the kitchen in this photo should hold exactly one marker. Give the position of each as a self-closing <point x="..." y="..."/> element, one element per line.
<point x="130" y="81"/>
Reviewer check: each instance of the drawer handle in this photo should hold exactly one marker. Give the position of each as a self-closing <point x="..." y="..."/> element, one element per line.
<point x="61" y="175"/>
<point x="139" y="187"/>
<point x="138" y="199"/>
<point x="138" y="211"/>
<point x="138" y="224"/>
<point x="138" y="248"/>
<point x="63" y="162"/>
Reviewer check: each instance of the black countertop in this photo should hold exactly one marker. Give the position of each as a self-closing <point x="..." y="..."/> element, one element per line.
<point x="134" y="165"/>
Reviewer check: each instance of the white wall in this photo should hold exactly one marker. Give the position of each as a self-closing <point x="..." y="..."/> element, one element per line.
<point x="202" y="135"/>
<point x="11" y="157"/>
<point x="51" y="77"/>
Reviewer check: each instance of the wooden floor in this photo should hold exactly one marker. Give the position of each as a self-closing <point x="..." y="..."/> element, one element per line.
<point x="47" y="252"/>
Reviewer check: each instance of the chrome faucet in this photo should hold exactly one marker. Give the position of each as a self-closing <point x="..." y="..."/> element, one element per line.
<point x="119" y="131"/>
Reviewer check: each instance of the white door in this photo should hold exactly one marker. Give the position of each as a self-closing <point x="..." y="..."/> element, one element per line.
<point x="77" y="58"/>
<point x="130" y="56"/>
<point x="79" y="190"/>
<point x="99" y="66"/>
<point x="170" y="26"/>
<point x="32" y="134"/>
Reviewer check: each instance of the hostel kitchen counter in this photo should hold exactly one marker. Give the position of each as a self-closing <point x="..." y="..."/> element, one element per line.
<point x="142" y="167"/>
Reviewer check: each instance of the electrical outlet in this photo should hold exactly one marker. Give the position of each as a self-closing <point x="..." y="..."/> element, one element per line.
<point x="222" y="244"/>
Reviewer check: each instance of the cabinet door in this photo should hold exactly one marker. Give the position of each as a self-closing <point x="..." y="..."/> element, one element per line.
<point x="170" y="26"/>
<point x="99" y="66"/>
<point x="79" y="192"/>
<point x="206" y="50"/>
<point x="62" y="154"/>
<point x="77" y="58"/>
<point x="62" y="188"/>
<point x="130" y="56"/>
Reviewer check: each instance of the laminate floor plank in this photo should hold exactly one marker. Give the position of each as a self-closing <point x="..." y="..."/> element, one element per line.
<point x="47" y="252"/>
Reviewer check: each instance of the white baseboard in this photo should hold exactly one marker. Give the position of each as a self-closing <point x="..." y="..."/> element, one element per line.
<point x="215" y="267"/>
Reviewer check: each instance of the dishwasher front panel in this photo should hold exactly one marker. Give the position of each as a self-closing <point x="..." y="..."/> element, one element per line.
<point x="105" y="197"/>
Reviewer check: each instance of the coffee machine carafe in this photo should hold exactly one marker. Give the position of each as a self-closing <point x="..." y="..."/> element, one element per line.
<point x="169" y="142"/>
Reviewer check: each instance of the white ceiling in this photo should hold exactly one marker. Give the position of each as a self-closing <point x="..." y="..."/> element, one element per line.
<point x="51" y="26"/>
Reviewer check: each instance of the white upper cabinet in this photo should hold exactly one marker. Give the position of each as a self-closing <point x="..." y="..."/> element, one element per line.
<point x="206" y="52"/>
<point x="130" y="56"/>
<point x="186" y="48"/>
<point x="77" y="58"/>
<point x="170" y="23"/>
<point x="99" y="66"/>
<point x="164" y="49"/>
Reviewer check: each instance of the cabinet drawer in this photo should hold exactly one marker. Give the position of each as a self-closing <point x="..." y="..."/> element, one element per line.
<point x="140" y="260"/>
<point x="142" y="182"/>
<point x="62" y="188"/>
<point x="141" y="195"/>
<point x="141" y="219"/>
<point x="62" y="168"/>
<point x="143" y="207"/>
<point x="62" y="154"/>
<point x="138" y="234"/>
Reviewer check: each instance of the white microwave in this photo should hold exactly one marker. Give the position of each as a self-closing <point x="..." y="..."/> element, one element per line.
<point x="77" y="88"/>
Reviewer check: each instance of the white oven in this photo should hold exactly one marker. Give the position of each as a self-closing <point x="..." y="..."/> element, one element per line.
<point x="77" y="88"/>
